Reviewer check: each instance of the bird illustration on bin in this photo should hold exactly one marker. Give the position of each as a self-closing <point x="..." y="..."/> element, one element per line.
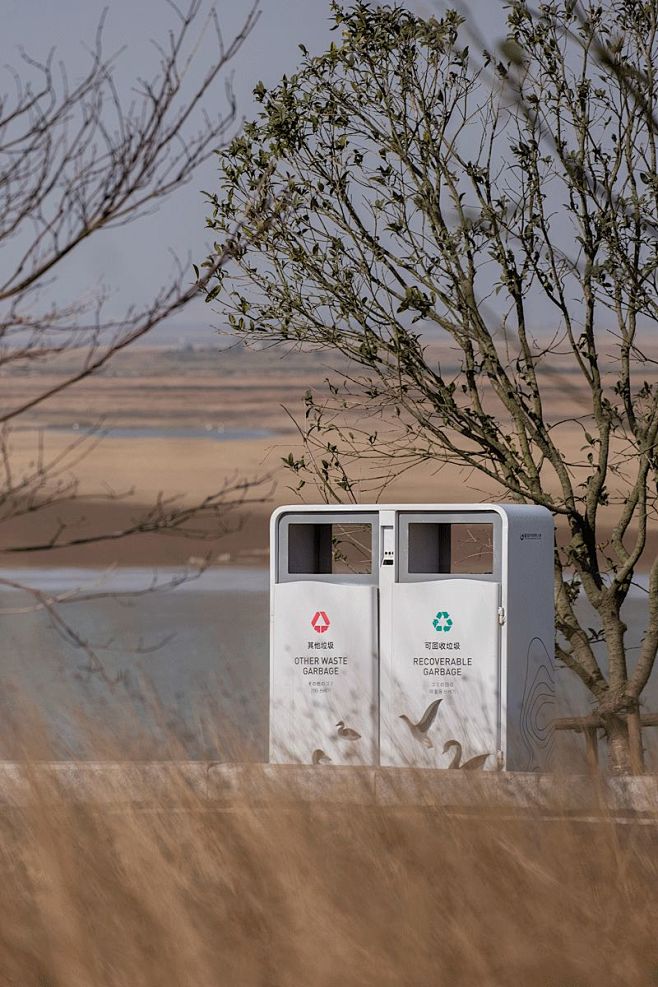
<point x="473" y="763"/>
<point x="319" y="757"/>
<point x="346" y="732"/>
<point x="419" y="730"/>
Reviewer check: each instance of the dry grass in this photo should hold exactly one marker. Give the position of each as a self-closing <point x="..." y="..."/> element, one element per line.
<point x="319" y="895"/>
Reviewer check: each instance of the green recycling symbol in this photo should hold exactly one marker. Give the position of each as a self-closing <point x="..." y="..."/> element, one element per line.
<point x="442" y="621"/>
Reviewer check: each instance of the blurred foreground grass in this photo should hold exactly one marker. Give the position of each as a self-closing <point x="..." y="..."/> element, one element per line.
<point x="319" y="895"/>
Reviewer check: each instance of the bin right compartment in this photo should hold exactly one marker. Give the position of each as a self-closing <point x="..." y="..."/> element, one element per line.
<point x="440" y="680"/>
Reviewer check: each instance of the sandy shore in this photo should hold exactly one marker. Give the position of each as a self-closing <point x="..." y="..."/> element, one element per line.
<point x="142" y="469"/>
<point x="168" y="415"/>
<point x="182" y="425"/>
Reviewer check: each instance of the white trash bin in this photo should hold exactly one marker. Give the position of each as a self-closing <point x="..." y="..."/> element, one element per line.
<point x="412" y="635"/>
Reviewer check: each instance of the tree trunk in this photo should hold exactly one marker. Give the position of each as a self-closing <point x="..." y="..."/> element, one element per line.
<point x="619" y="748"/>
<point x="634" y="724"/>
<point x="592" y="746"/>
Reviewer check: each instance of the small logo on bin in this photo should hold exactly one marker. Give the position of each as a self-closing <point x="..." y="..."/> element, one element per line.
<point x="320" y="622"/>
<point x="442" y="621"/>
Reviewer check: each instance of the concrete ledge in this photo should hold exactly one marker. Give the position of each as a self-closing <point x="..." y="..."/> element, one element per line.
<point x="260" y="784"/>
<point x="640" y="793"/>
<point x="201" y="785"/>
<point x="104" y="783"/>
<point x="513" y="792"/>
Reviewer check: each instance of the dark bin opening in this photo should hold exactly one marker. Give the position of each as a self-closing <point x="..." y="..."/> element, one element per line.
<point x="457" y="549"/>
<point x="336" y="549"/>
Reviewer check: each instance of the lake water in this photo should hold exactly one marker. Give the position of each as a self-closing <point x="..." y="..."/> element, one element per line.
<point x="189" y="664"/>
<point x="186" y="669"/>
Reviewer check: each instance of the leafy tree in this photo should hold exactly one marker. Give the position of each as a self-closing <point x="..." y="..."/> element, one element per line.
<point x="505" y="207"/>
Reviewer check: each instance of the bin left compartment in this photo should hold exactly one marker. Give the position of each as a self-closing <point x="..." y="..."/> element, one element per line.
<point x="324" y="661"/>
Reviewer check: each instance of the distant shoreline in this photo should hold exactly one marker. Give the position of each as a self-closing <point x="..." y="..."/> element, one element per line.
<point x="212" y="433"/>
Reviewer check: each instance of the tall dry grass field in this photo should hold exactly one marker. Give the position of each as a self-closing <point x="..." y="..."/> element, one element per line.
<point x="319" y="895"/>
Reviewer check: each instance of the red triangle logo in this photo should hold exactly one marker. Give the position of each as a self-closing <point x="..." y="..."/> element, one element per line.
<point x="320" y="622"/>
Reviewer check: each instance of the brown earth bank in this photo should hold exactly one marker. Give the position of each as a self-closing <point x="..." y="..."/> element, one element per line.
<point x="183" y="424"/>
<point x="244" y="542"/>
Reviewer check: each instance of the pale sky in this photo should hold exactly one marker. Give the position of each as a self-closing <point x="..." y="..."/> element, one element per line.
<point x="133" y="262"/>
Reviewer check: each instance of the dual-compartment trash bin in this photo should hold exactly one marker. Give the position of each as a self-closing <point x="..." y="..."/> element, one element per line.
<point x="412" y="635"/>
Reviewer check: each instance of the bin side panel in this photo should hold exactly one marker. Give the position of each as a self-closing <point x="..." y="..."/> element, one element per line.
<point x="445" y="645"/>
<point x="325" y="669"/>
<point x="530" y="642"/>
